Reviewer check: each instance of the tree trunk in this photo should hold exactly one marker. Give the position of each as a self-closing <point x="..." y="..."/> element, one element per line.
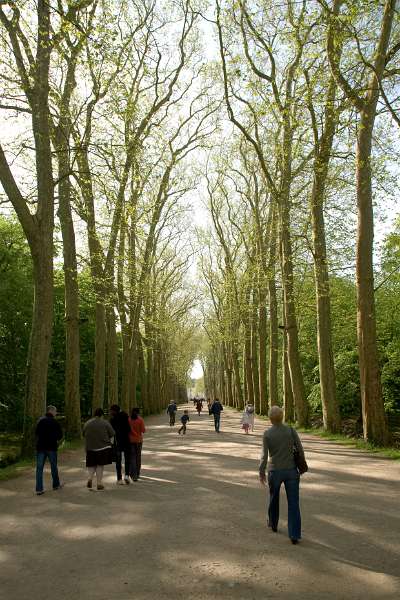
<point x="126" y="389"/>
<point x="273" y="311"/>
<point x="228" y="371"/>
<point x="374" y="418"/>
<point x="112" y="358"/>
<point x="42" y="245"/>
<point x="40" y="341"/>
<point x="237" y="379"/>
<point x="254" y="353"/>
<point x="247" y="358"/>
<point x="330" y="409"/>
<point x="262" y="353"/>
<point x="245" y="373"/>
<point x="99" y="375"/>
<point x="70" y="266"/>
<point x="293" y="353"/>
<point x="288" y="402"/>
<point x="134" y="376"/>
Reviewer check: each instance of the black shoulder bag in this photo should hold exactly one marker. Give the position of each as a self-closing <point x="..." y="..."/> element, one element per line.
<point x="299" y="459"/>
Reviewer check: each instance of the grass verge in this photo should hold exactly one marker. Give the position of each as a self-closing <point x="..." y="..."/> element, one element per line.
<point x="20" y="466"/>
<point x="344" y="440"/>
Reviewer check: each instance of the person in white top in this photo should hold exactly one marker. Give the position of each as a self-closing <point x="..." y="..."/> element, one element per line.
<point x="247" y="420"/>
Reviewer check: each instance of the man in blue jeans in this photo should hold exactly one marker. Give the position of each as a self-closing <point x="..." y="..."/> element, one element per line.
<point x="216" y="409"/>
<point x="48" y="434"/>
<point x="278" y="442"/>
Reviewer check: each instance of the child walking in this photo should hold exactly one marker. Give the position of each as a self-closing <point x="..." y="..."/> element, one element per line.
<point x="184" y="420"/>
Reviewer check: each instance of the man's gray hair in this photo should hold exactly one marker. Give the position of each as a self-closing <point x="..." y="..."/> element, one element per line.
<point x="276" y="413"/>
<point x="52" y="409"/>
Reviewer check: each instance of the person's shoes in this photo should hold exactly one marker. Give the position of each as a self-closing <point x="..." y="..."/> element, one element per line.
<point x="274" y="529"/>
<point x="100" y="487"/>
<point x="134" y="478"/>
<point x="127" y="482"/>
<point x="120" y="482"/>
<point x="58" y="487"/>
<point x="294" y="541"/>
<point x="89" y="484"/>
<point x="40" y="493"/>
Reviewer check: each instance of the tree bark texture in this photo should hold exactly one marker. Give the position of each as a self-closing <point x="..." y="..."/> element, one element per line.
<point x="330" y="410"/>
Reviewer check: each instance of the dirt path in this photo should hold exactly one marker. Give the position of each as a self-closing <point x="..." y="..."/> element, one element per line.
<point x="194" y="527"/>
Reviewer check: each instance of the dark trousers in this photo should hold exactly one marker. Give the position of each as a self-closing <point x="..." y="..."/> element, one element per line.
<point x="40" y="460"/>
<point x="172" y="418"/>
<point x="136" y="460"/>
<point x="290" y="478"/>
<point x="217" y="421"/>
<point x="183" y="428"/>
<point x="118" y="461"/>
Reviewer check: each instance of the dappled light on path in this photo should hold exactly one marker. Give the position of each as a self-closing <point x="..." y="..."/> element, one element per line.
<point x="194" y="526"/>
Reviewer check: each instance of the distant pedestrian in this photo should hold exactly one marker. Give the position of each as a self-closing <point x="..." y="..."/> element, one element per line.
<point x="216" y="409"/>
<point x="199" y="406"/>
<point x="98" y="435"/>
<point x="48" y="434"/>
<point x="184" y="420"/>
<point x="119" y="421"/>
<point x="278" y="447"/>
<point x="171" y="411"/>
<point x="247" y="419"/>
<point x="138" y="428"/>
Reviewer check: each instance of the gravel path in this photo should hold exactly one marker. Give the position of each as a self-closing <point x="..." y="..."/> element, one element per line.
<point x="194" y="527"/>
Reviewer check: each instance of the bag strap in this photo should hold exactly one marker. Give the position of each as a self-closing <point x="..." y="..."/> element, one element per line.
<point x="294" y="439"/>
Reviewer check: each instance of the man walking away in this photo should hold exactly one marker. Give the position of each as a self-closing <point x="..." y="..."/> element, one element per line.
<point x="119" y="421"/>
<point x="216" y="409"/>
<point x="278" y="445"/>
<point x="48" y="434"/>
<point x="171" y="411"/>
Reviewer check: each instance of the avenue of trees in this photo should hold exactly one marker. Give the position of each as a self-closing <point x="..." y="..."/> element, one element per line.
<point x="104" y="104"/>
<point x="310" y="90"/>
<point x="120" y="119"/>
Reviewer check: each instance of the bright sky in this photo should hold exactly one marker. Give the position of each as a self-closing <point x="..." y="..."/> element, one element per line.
<point x="197" y="370"/>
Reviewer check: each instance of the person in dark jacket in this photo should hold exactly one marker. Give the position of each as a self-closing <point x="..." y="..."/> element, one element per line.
<point x="48" y="434"/>
<point x="119" y="421"/>
<point x="184" y="420"/>
<point x="216" y="409"/>
<point x="171" y="411"/>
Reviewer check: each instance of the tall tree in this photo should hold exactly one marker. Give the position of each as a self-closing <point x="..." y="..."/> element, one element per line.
<point x="365" y="100"/>
<point x="33" y="66"/>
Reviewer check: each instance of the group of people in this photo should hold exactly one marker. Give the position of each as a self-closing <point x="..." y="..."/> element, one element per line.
<point x="214" y="408"/>
<point x="118" y="440"/>
<point x="122" y="437"/>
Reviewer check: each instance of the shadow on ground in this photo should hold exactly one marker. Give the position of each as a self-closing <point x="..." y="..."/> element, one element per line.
<point x="195" y="527"/>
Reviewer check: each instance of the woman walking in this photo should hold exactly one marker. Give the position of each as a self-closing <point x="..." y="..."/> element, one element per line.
<point x="136" y="424"/>
<point x="98" y="435"/>
<point x="247" y="420"/>
<point x="279" y="442"/>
